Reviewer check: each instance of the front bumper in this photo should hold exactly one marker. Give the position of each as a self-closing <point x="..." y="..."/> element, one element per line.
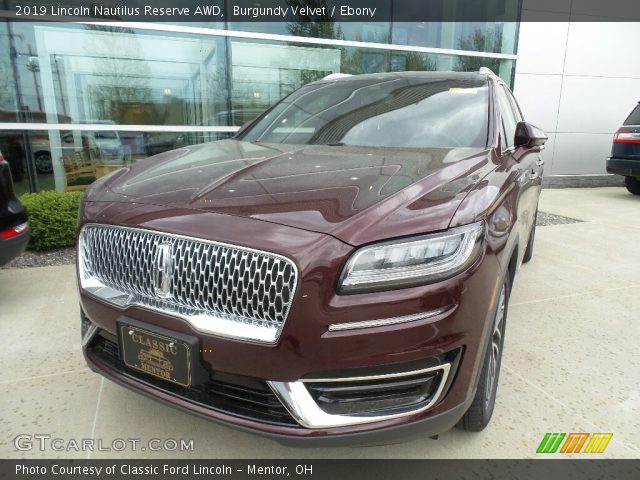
<point x="624" y="167"/>
<point x="290" y="435"/>
<point x="236" y="406"/>
<point x="425" y="345"/>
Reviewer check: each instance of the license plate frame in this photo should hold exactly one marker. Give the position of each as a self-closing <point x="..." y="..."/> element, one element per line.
<point x="157" y="352"/>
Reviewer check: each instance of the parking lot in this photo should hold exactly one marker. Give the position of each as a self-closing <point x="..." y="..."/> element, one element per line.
<point x="571" y="361"/>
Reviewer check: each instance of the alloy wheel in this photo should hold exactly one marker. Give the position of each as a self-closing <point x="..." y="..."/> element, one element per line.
<point x="496" y="348"/>
<point x="43" y="163"/>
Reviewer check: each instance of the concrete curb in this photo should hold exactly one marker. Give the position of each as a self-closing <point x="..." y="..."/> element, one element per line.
<point x="582" y="181"/>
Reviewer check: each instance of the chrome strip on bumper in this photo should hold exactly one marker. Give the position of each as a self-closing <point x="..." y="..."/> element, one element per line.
<point x="301" y="405"/>
<point x="336" y="327"/>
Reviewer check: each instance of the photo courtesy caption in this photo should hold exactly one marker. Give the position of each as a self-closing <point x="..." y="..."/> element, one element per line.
<point x="126" y="469"/>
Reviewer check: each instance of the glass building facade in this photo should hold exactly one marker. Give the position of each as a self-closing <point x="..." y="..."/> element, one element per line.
<point x="80" y="100"/>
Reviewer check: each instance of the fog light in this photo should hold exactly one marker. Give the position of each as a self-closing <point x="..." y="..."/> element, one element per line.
<point x="377" y="396"/>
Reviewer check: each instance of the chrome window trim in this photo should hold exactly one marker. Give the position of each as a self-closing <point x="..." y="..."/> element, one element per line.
<point x="303" y="408"/>
<point x="383" y="322"/>
<point x="222" y="325"/>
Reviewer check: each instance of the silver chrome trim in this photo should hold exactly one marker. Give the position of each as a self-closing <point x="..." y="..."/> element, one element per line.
<point x="90" y="333"/>
<point x="163" y="266"/>
<point x="383" y="376"/>
<point x="382" y="322"/>
<point x="224" y="324"/>
<point x="298" y="401"/>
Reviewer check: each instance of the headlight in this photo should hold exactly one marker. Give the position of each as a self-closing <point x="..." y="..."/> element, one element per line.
<point x="413" y="261"/>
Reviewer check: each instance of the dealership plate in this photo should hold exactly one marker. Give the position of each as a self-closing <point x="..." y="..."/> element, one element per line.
<point x="155" y="354"/>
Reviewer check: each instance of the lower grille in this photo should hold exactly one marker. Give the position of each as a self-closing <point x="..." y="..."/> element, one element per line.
<point x="244" y="397"/>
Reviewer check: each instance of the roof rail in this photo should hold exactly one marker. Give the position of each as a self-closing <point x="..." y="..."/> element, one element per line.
<point x="486" y="71"/>
<point x="336" y="76"/>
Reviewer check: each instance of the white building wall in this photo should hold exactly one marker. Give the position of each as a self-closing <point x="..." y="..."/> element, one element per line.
<point x="578" y="80"/>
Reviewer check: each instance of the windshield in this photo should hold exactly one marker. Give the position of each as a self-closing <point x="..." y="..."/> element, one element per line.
<point x="403" y="111"/>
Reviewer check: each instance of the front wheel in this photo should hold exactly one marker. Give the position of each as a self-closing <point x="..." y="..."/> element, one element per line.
<point x="632" y="184"/>
<point x="43" y="162"/>
<point x="481" y="409"/>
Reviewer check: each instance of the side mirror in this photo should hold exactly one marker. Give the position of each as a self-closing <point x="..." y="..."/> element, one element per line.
<point x="528" y="135"/>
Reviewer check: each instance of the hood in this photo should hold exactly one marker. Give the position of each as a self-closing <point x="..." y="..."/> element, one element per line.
<point x="357" y="194"/>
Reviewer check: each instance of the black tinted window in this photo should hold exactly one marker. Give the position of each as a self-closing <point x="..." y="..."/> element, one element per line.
<point x="411" y="112"/>
<point x="634" y="118"/>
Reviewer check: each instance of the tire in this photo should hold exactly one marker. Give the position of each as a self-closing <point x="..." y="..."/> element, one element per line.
<point x="43" y="162"/>
<point x="632" y="184"/>
<point x="528" y="253"/>
<point x="481" y="409"/>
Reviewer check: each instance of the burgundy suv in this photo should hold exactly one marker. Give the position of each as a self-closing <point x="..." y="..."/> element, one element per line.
<point x="339" y="271"/>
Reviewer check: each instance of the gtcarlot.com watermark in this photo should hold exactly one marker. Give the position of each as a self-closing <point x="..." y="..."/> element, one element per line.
<point x="49" y="443"/>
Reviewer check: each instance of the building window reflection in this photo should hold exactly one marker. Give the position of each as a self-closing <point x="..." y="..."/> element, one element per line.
<point x="127" y="94"/>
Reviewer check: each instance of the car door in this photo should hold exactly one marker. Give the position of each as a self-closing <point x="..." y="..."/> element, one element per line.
<point x="521" y="165"/>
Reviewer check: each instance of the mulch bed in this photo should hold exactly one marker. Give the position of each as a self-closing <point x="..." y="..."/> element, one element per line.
<point x="62" y="256"/>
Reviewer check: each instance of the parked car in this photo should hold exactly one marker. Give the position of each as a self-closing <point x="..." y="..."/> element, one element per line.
<point x="338" y="272"/>
<point x="111" y="147"/>
<point x="42" y="150"/>
<point x="159" y="142"/>
<point x="14" y="229"/>
<point x="12" y="142"/>
<point x="625" y="154"/>
<point x="108" y="143"/>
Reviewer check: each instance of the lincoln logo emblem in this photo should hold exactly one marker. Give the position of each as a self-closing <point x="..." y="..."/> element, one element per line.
<point x="162" y="270"/>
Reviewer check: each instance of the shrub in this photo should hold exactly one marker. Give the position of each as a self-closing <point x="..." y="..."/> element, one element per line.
<point x="53" y="217"/>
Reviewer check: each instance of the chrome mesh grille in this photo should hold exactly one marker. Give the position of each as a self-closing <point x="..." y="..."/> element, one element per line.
<point x="206" y="279"/>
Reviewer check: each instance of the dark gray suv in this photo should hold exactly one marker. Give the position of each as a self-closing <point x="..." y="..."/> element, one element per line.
<point x="625" y="154"/>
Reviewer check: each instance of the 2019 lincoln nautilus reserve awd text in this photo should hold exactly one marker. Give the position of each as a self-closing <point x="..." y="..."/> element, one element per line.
<point x="339" y="271"/>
